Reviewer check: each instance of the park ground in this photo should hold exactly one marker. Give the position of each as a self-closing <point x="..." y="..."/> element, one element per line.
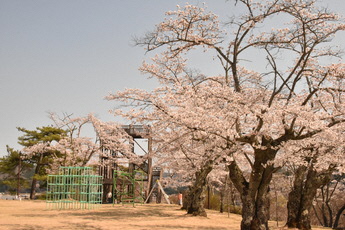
<point x="34" y="215"/>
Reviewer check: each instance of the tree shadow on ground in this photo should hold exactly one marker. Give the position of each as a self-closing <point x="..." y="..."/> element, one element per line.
<point x="124" y="213"/>
<point x="21" y="227"/>
<point x="67" y="226"/>
<point x="153" y="227"/>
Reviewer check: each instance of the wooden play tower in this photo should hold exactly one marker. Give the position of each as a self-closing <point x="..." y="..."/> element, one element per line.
<point x="108" y="168"/>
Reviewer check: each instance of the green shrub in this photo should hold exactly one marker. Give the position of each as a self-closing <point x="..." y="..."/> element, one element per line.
<point x="42" y="196"/>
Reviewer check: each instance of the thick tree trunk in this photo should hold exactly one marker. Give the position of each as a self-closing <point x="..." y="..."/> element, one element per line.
<point x="221" y="208"/>
<point x="196" y="195"/>
<point x="254" y="193"/>
<point x="196" y="200"/>
<point x="301" y="197"/>
<point x="255" y="210"/>
<point x="300" y="218"/>
<point x="34" y="180"/>
<point x="33" y="188"/>
<point x="337" y="217"/>
<point x="295" y="198"/>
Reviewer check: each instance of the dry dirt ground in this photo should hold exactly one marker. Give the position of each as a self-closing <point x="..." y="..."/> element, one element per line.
<point x="33" y="215"/>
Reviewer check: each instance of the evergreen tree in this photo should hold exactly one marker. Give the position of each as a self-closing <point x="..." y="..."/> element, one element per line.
<point x="42" y="136"/>
<point x="13" y="170"/>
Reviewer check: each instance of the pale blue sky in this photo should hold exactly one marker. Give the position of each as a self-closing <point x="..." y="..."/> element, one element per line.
<point x="66" y="55"/>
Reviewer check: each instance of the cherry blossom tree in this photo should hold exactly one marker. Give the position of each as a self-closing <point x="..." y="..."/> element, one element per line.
<point x="248" y="112"/>
<point x="114" y="139"/>
<point x="79" y="150"/>
<point x="314" y="162"/>
<point x="329" y="202"/>
<point x="75" y="149"/>
<point x="189" y="152"/>
<point x="191" y="156"/>
<point x="71" y="149"/>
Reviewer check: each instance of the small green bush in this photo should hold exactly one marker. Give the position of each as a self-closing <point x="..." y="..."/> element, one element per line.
<point x="42" y="196"/>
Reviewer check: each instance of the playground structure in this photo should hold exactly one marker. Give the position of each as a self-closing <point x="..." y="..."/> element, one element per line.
<point x="158" y="186"/>
<point x="129" y="187"/>
<point x="126" y="182"/>
<point x="74" y="188"/>
<point x="126" y="179"/>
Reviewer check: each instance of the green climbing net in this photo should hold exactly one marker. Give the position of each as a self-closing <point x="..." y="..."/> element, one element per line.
<point x="74" y="188"/>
